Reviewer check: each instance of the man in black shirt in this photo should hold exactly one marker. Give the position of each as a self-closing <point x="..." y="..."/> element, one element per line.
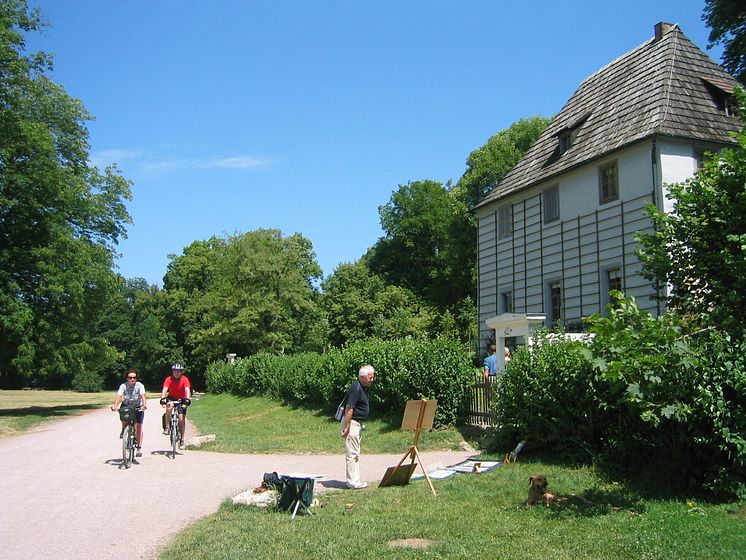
<point x="356" y="412"/>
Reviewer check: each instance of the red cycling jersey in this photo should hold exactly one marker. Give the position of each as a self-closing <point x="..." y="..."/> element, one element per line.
<point x="177" y="387"/>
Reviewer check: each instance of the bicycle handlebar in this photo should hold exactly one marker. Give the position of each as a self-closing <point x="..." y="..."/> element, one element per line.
<point x="185" y="402"/>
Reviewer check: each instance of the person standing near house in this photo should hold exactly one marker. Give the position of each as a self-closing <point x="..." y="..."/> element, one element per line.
<point x="490" y="363"/>
<point x="357" y="408"/>
<point x="177" y="387"/>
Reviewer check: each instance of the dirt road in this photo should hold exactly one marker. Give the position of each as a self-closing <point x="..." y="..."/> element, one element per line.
<point x="63" y="495"/>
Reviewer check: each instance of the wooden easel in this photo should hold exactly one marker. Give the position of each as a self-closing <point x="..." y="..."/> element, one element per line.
<point x="418" y="415"/>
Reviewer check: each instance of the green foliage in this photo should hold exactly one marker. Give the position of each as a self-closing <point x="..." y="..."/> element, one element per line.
<point x="406" y="369"/>
<point x="548" y="396"/>
<point x="642" y="396"/>
<point x="726" y="20"/>
<point x="418" y="251"/>
<point x="699" y="249"/>
<point x="59" y="218"/>
<point x="487" y="165"/>
<point x="359" y="304"/>
<point x="87" y="382"/>
<point x="244" y="294"/>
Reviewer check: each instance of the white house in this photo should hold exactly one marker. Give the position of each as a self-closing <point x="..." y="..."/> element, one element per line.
<point x="557" y="233"/>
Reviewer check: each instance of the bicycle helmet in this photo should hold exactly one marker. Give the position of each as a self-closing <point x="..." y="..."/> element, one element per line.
<point x="178" y="366"/>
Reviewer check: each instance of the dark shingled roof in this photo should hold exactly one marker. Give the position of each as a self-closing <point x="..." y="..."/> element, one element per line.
<point x="666" y="86"/>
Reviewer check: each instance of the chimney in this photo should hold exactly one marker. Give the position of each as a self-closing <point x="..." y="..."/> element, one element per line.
<point x="662" y="28"/>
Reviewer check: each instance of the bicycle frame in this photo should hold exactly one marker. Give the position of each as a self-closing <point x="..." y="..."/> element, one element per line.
<point x="175" y="431"/>
<point x="129" y="443"/>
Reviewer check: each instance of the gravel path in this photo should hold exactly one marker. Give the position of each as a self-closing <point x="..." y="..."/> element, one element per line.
<point x="63" y="495"/>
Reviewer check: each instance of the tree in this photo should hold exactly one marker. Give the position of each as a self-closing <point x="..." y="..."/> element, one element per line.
<point x="487" y="165"/>
<point x="699" y="249"/>
<point x="417" y="252"/>
<point x="243" y="294"/>
<point x="727" y="21"/>
<point x="430" y="246"/>
<point x="60" y="219"/>
<point x="359" y="304"/>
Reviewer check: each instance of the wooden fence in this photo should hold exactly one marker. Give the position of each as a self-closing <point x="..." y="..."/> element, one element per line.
<point x="480" y="397"/>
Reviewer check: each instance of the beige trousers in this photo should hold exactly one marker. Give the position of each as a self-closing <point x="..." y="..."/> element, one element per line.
<point x="352" y="453"/>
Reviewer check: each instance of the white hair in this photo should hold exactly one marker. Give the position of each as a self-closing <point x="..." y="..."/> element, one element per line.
<point x="365" y="371"/>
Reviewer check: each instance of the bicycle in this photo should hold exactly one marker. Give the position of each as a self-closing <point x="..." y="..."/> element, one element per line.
<point x="129" y="434"/>
<point x="174" y="430"/>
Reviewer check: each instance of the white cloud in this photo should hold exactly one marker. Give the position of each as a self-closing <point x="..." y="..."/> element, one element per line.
<point x="115" y="155"/>
<point x="155" y="164"/>
<point x="238" y="162"/>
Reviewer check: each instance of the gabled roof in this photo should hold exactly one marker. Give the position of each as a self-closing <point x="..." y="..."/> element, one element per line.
<point x="664" y="86"/>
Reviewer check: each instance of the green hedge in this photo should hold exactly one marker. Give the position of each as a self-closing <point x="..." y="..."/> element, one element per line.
<point x="647" y="396"/>
<point x="405" y="369"/>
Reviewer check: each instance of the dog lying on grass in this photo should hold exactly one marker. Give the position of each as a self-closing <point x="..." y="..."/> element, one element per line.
<point x="537" y="489"/>
<point x="537" y="492"/>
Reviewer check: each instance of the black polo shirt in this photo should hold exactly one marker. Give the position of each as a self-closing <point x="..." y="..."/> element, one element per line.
<point x="357" y="399"/>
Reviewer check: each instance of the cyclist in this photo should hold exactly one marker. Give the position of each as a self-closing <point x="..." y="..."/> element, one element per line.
<point x="176" y="386"/>
<point x="132" y="393"/>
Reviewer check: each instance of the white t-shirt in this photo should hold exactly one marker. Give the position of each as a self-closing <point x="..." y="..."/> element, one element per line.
<point x="131" y="396"/>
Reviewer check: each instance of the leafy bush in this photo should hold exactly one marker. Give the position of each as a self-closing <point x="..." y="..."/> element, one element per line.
<point x="645" y="396"/>
<point x="405" y="369"/>
<point x="88" y="382"/>
<point x="547" y="395"/>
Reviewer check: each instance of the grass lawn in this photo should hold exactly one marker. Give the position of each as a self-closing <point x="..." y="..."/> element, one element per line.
<point x="261" y="425"/>
<point x="473" y="517"/>
<point x="22" y="410"/>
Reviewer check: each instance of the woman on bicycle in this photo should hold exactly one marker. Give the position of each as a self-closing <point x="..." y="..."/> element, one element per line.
<point x="132" y="393"/>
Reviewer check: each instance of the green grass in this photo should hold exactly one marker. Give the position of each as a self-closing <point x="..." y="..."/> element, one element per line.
<point x="261" y="425"/>
<point x="23" y="410"/>
<point x="475" y="516"/>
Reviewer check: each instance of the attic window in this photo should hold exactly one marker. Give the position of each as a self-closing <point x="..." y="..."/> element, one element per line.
<point x="722" y="94"/>
<point x="568" y="135"/>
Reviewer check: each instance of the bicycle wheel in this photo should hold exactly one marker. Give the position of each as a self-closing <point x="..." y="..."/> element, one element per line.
<point x="174" y="435"/>
<point x="126" y="454"/>
<point x="133" y="444"/>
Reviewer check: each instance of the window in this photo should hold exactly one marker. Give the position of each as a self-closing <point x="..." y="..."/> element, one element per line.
<point x="728" y="106"/>
<point x="555" y="299"/>
<point x="505" y="221"/>
<point x="722" y="94"/>
<point x="608" y="179"/>
<point x="613" y="282"/>
<point x="699" y="158"/>
<point x="507" y="302"/>
<point x="614" y="279"/>
<point x="551" y="204"/>
<point x="565" y="141"/>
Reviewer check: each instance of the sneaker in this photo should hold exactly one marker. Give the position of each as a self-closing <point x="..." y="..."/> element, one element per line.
<point x="357" y="485"/>
<point x="181" y="444"/>
<point x="166" y="432"/>
<point x="139" y="452"/>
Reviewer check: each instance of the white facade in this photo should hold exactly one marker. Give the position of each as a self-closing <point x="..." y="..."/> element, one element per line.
<point x="567" y="266"/>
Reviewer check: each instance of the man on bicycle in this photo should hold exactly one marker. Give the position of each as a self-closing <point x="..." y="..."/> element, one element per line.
<point x="176" y="387"/>
<point x="132" y="393"/>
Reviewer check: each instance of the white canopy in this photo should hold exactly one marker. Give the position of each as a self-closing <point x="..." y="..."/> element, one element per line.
<point x="512" y="324"/>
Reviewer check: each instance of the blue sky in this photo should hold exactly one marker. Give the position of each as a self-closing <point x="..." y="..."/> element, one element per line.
<point x="230" y="115"/>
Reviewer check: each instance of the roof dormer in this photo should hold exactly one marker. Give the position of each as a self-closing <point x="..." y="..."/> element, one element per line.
<point x="722" y="94"/>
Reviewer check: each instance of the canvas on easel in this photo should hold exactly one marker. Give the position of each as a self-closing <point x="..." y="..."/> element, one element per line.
<point x="418" y="415"/>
